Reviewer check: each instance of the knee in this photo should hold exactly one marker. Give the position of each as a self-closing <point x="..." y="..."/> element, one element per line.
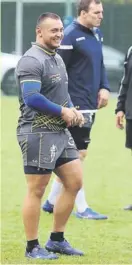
<point x="82" y="154"/>
<point x="39" y="192"/>
<point x="75" y="186"/>
<point x="36" y="192"/>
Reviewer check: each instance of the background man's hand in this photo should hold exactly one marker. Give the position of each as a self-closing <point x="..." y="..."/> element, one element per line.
<point x="103" y="97"/>
<point x="120" y="119"/>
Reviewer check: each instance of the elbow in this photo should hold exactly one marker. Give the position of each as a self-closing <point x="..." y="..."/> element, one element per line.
<point x="29" y="101"/>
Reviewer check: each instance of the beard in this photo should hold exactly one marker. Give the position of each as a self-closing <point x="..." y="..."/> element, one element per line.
<point x="52" y="46"/>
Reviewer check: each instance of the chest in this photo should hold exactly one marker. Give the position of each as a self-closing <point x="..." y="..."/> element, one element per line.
<point x="89" y="47"/>
<point x="54" y="72"/>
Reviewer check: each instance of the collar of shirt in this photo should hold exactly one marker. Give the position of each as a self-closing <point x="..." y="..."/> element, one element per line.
<point x="49" y="52"/>
<point x="83" y="28"/>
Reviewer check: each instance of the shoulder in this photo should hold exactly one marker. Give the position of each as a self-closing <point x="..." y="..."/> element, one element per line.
<point x="68" y="38"/>
<point x="128" y="56"/>
<point x="28" y="61"/>
<point x="71" y="32"/>
<point x="69" y="29"/>
<point x="28" y="65"/>
<point x="129" y="52"/>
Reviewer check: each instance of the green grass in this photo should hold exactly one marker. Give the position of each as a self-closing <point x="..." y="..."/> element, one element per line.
<point x="108" y="185"/>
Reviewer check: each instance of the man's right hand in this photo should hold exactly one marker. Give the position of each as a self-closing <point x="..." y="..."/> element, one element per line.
<point x="120" y="119"/>
<point x="72" y="117"/>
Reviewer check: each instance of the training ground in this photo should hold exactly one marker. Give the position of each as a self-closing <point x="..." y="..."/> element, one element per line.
<point x="108" y="186"/>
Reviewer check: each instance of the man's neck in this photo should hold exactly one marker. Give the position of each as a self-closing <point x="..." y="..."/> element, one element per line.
<point x="44" y="49"/>
<point x="44" y="46"/>
<point x="81" y="21"/>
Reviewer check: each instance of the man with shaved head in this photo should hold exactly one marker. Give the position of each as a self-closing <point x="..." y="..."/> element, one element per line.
<point x="44" y="139"/>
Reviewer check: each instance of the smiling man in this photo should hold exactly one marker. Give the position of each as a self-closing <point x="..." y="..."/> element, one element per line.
<point x="45" y="142"/>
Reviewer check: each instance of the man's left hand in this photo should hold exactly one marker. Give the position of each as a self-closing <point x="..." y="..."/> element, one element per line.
<point x="79" y="118"/>
<point x="103" y="96"/>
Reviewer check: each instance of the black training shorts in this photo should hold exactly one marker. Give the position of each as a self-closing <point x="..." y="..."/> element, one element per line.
<point x="129" y="134"/>
<point x="81" y="135"/>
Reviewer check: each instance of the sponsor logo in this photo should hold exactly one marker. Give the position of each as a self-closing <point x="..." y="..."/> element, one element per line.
<point x="55" y="78"/>
<point x="81" y="38"/>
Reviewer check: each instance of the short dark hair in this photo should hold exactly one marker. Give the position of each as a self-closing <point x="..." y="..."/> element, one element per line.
<point x="84" y="5"/>
<point x="43" y="16"/>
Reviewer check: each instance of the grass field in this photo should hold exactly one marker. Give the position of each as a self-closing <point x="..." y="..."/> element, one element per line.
<point x="108" y="184"/>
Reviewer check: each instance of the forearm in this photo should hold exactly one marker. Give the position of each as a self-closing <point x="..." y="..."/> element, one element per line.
<point x="120" y="103"/>
<point x="104" y="80"/>
<point x="42" y="104"/>
<point x="122" y="96"/>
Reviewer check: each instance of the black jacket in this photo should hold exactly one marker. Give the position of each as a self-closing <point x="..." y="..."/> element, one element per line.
<point x="125" y="93"/>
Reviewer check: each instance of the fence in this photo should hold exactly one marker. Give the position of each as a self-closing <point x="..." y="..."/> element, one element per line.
<point x="116" y="25"/>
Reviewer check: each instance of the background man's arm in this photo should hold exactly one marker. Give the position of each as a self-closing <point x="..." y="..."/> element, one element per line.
<point x="120" y="108"/>
<point x="103" y="95"/>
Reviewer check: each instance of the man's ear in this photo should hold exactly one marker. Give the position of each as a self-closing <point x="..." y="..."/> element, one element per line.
<point x="38" y="31"/>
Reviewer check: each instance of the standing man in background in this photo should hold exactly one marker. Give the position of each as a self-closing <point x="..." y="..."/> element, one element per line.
<point x="81" y="50"/>
<point x="124" y="104"/>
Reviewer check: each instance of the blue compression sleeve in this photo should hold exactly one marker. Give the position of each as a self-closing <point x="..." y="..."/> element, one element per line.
<point x="33" y="99"/>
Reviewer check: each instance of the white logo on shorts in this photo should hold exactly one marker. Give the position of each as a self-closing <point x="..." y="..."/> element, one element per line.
<point x="35" y="161"/>
<point x="71" y="141"/>
<point x="53" y="151"/>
